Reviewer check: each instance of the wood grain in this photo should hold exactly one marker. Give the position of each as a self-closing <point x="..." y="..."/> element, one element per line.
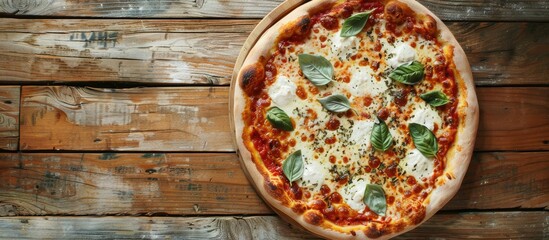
<point x="513" y="119"/>
<point x="9" y="117"/>
<point x="463" y="10"/>
<point x="469" y="225"/>
<point x="108" y="183"/>
<point x="204" y="51"/>
<point x="143" y="119"/>
<point x="196" y="119"/>
<point x="205" y="184"/>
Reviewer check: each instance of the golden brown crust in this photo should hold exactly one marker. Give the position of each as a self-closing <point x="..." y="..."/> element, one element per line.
<point x="458" y="156"/>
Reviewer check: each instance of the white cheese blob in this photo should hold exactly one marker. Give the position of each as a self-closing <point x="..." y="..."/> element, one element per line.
<point x="314" y="173"/>
<point x="344" y="47"/>
<point x="417" y="165"/>
<point x="353" y="193"/>
<point x="426" y="116"/>
<point x="363" y="83"/>
<point x="361" y="132"/>
<point x="403" y="54"/>
<point x="283" y="91"/>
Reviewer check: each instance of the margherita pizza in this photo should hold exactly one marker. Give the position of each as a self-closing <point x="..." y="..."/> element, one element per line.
<point x="356" y="119"/>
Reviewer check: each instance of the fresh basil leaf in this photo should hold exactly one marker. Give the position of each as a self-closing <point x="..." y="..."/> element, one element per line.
<point x="424" y="140"/>
<point x="381" y="138"/>
<point x="316" y="68"/>
<point x="354" y="24"/>
<point x="374" y="198"/>
<point x="335" y="103"/>
<point x="409" y="74"/>
<point x="293" y="166"/>
<point x="279" y="119"/>
<point x="435" y="98"/>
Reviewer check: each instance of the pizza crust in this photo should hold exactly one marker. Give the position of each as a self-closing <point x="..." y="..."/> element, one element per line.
<point x="458" y="156"/>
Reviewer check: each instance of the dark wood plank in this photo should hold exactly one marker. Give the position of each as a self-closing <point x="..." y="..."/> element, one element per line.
<point x="504" y="180"/>
<point x="513" y="119"/>
<point x="153" y="119"/>
<point x="470" y="225"/>
<point x="463" y="10"/>
<point x="9" y="117"/>
<point x="196" y="119"/>
<point x="204" y="51"/>
<point x="205" y="184"/>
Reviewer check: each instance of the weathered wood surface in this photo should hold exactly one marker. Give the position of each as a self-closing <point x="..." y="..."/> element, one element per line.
<point x="196" y="119"/>
<point x="204" y="51"/>
<point x="142" y="119"/>
<point x="205" y="184"/>
<point x="9" y="117"/>
<point x="464" y="10"/>
<point x="469" y="225"/>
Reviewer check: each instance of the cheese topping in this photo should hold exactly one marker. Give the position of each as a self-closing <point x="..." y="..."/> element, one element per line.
<point x="426" y="116"/>
<point x="361" y="132"/>
<point x="353" y="194"/>
<point x="314" y="173"/>
<point x="344" y="47"/>
<point x="417" y="165"/>
<point x="404" y="54"/>
<point x="283" y="91"/>
<point x="363" y="83"/>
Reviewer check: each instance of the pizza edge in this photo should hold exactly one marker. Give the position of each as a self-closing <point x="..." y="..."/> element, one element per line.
<point x="458" y="157"/>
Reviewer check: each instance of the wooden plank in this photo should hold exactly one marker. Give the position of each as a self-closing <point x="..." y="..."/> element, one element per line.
<point x="513" y="119"/>
<point x="205" y="184"/>
<point x="204" y="51"/>
<point x="469" y="225"/>
<point x="196" y="119"/>
<point x="464" y="10"/>
<point x="108" y="183"/>
<point x="143" y="119"/>
<point x="9" y="117"/>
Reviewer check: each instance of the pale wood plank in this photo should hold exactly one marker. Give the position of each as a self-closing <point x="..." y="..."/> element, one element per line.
<point x="9" y="117"/>
<point x="204" y="51"/>
<point x="463" y="10"/>
<point x="154" y="119"/>
<point x="205" y="184"/>
<point x="196" y="119"/>
<point x="98" y="184"/>
<point x="470" y="225"/>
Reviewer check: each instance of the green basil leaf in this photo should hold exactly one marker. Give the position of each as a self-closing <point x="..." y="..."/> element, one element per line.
<point x="316" y="68"/>
<point x="435" y="98"/>
<point x="354" y="24"/>
<point x="293" y="166"/>
<point x="374" y="198"/>
<point x="335" y="103"/>
<point x="424" y="140"/>
<point x="279" y="119"/>
<point x="381" y="138"/>
<point x="409" y="74"/>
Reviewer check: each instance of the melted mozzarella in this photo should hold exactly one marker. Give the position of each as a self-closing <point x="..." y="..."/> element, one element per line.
<point x="283" y="91"/>
<point x="426" y="116"/>
<point x="315" y="172"/>
<point x="344" y="47"/>
<point x="353" y="193"/>
<point x="404" y="54"/>
<point x="417" y="165"/>
<point x="363" y="83"/>
<point x="361" y="132"/>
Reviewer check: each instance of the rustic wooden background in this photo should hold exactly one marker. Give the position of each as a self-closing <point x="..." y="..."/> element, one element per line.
<point x="114" y="121"/>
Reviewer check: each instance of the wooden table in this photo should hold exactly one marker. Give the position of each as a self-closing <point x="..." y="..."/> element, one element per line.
<point x="114" y="121"/>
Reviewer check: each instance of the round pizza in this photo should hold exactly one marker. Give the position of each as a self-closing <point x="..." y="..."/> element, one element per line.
<point x="357" y="118"/>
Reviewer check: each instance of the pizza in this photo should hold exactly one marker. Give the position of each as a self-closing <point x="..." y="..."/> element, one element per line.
<point x="357" y="118"/>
